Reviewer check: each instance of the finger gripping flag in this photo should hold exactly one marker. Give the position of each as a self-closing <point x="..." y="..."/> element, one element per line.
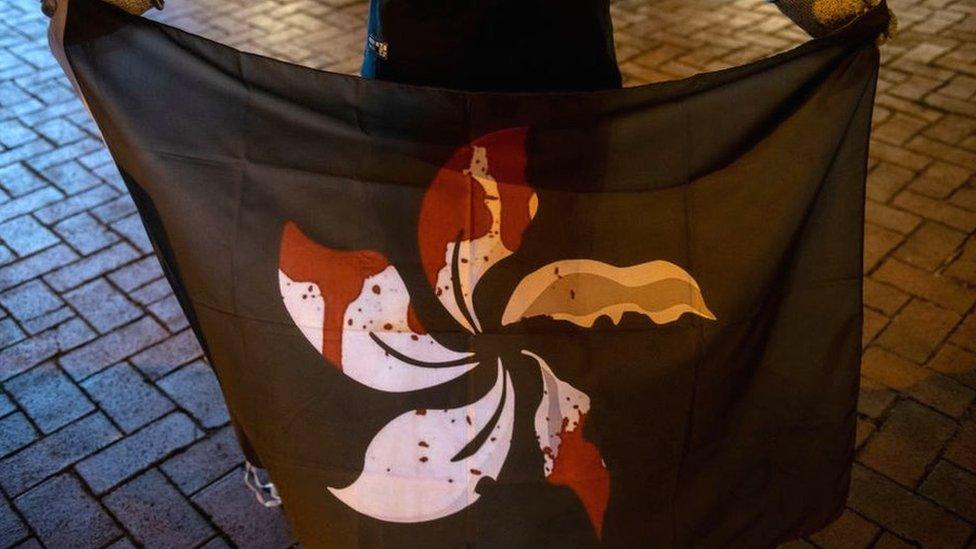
<point x="444" y="319"/>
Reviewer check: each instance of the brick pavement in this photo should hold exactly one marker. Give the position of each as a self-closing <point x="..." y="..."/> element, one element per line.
<point x="111" y="427"/>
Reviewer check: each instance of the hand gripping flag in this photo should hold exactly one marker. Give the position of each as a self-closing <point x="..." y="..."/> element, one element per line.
<point x="446" y="319"/>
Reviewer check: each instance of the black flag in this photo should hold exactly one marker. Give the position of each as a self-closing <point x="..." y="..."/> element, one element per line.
<point x="446" y="319"/>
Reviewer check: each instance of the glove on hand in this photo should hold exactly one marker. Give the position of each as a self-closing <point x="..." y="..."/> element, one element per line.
<point x="136" y="7"/>
<point x="819" y="17"/>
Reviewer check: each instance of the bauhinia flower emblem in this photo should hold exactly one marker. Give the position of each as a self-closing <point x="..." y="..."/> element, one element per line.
<point x="353" y="306"/>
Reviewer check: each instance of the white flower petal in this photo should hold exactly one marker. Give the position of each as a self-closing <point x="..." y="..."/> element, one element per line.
<point x="410" y="474"/>
<point x="560" y="411"/>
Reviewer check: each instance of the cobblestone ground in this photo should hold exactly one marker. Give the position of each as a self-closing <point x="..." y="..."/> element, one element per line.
<point x="112" y="429"/>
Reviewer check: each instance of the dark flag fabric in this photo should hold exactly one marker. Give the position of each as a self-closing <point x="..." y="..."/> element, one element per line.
<point x="627" y="318"/>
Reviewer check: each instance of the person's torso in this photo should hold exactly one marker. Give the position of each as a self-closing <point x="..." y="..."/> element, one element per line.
<point x="505" y="45"/>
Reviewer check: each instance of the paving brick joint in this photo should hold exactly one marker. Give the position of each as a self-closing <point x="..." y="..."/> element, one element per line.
<point x="112" y="430"/>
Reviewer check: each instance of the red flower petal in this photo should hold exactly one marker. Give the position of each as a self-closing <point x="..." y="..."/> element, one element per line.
<point x="481" y="194"/>
<point x="454" y="204"/>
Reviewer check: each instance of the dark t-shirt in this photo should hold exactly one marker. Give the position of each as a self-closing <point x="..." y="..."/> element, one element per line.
<point x="499" y="45"/>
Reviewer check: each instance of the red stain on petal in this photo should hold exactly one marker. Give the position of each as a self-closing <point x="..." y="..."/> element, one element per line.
<point x="507" y="164"/>
<point x="455" y="202"/>
<point x="579" y="466"/>
<point x="338" y="274"/>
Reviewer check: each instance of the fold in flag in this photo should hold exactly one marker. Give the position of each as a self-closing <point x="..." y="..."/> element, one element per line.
<point x="447" y="319"/>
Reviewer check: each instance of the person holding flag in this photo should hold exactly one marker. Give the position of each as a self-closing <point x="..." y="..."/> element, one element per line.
<point x="452" y="378"/>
